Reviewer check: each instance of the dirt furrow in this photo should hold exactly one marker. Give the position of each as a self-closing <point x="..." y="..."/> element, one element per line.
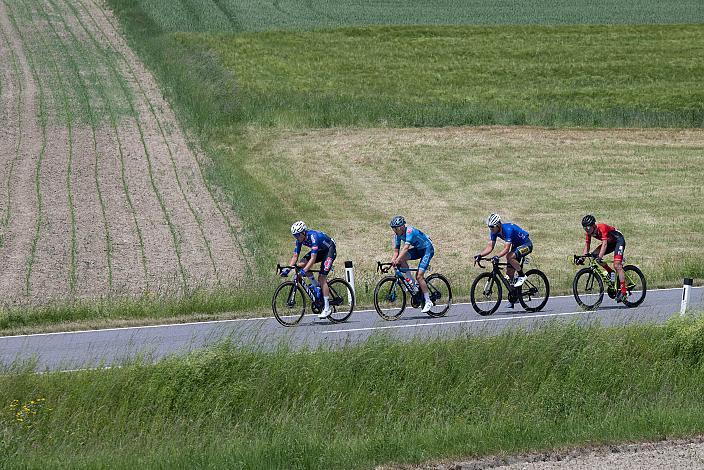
<point x="214" y="230"/>
<point x="20" y="230"/>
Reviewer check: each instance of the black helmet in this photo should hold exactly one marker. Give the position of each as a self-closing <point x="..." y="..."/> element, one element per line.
<point x="588" y="220"/>
<point x="397" y="221"/>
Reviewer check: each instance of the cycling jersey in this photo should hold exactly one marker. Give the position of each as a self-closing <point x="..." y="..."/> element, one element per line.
<point x="413" y="236"/>
<point x="604" y="232"/>
<point x="316" y="240"/>
<point x="510" y="233"/>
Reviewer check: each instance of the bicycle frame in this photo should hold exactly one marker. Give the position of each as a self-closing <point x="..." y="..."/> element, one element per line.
<point x="599" y="270"/>
<point x="498" y="272"/>
<point x="298" y="281"/>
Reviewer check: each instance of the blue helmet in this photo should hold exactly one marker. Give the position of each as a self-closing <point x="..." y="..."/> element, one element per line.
<point x="397" y="221"/>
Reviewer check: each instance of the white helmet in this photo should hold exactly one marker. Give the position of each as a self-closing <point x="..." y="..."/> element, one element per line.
<point x="298" y="227"/>
<point x="493" y="220"/>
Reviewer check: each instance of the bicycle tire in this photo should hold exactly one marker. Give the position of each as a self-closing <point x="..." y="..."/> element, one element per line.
<point x="391" y="291"/>
<point x="581" y="295"/>
<point x="290" y="301"/>
<point x="341" y="295"/>
<point x="531" y="287"/>
<point x="630" y="285"/>
<point x="439" y="293"/>
<point x="493" y="285"/>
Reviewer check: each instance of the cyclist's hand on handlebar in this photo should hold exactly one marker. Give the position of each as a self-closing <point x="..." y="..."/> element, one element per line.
<point x="303" y="272"/>
<point x="284" y="272"/>
<point x="579" y="260"/>
<point x="599" y="260"/>
<point x="477" y="258"/>
<point x="494" y="259"/>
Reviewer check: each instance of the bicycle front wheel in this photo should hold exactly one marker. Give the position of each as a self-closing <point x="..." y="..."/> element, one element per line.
<point x="341" y="300"/>
<point x="635" y="285"/>
<point x="289" y="303"/>
<point x="485" y="294"/>
<point x="389" y="298"/>
<point x="440" y="293"/>
<point x="588" y="289"/>
<point x="535" y="291"/>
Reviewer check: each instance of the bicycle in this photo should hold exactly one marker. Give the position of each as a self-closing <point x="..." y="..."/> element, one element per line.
<point x="289" y="301"/>
<point x="588" y="284"/>
<point x="487" y="289"/>
<point x="391" y="291"/>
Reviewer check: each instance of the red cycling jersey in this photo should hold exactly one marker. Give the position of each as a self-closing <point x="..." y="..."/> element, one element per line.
<point x="603" y="233"/>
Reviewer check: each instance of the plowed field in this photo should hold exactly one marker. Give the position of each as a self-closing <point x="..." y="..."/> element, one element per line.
<point x="101" y="193"/>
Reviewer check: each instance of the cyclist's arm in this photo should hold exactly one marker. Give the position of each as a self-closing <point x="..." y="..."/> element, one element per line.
<point x="401" y="254"/>
<point x="294" y="260"/>
<point x="506" y="249"/>
<point x="393" y="258"/>
<point x="488" y="249"/>
<point x="310" y="262"/>
<point x="602" y="249"/>
<point x="587" y="244"/>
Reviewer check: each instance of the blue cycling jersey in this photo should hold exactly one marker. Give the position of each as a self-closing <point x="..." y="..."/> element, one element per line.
<point x="510" y="233"/>
<point x="316" y="240"/>
<point x="413" y="236"/>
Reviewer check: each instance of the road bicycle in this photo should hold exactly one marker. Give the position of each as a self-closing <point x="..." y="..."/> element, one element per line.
<point x="589" y="282"/>
<point x="487" y="289"/>
<point x="291" y="297"/>
<point x="391" y="293"/>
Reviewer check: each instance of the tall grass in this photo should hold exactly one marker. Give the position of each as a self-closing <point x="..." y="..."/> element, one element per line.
<point x="360" y="406"/>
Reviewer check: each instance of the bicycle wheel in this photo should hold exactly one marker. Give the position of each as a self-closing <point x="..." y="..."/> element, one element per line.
<point x="635" y="285"/>
<point x="535" y="291"/>
<point x="440" y="293"/>
<point x="289" y="303"/>
<point x="341" y="300"/>
<point x="588" y="289"/>
<point x="389" y="298"/>
<point x="485" y="294"/>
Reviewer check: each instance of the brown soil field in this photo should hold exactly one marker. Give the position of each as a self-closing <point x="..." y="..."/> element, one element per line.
<point x="101" y="192"/>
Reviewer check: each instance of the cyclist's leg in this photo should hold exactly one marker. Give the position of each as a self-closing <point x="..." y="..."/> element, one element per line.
<point x="325" y="267"/>
<point x="303" y="261"/>
<point x="423" y="265"/>
<point x="516" y="256"/>
<point x="619" y="248"/>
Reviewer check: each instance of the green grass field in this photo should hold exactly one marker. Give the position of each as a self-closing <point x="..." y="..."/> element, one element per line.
<point x="362" y="406"/>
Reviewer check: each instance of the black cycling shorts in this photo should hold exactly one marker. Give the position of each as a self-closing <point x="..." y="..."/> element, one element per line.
<point x="325" y="258"/>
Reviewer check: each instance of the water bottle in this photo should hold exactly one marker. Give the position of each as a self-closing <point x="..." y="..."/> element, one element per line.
<point x="318" y="292"/>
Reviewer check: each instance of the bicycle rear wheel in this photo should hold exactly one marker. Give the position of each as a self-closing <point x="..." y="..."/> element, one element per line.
<point x="440" y="293"/>
<point x="635" y="285"/>
<point x="485" y="294"/>
<point x="588" y="289"/>
<point x="535" y="291"/>
<point x="341" y="300"/>
<point x="389" y="298"/>
<point x="289" y="303"/>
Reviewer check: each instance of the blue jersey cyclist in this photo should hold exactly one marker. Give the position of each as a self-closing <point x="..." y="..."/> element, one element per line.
<point x="517" y="245"/>
<point x="409" y="244"/>
<point x="322" y="250"/>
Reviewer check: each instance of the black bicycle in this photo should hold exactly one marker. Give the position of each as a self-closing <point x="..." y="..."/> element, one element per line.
<point x="289" y="301"/>
<point x="486" y="292"/>
<point x="391" y="292"/>
<point x="589" y="282"/>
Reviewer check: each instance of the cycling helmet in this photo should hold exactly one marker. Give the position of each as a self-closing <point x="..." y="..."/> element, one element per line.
<point x="588" y="220"/>
<point x="493" y="220"/>
<point x="397" y="221"/>
<point x="298" y="227"/>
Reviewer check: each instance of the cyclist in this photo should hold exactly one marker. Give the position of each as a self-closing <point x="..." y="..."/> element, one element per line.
<point x="517" y="245"/>
<point x="416" y="245"/>
<point x="611" y="241"/>
<point x="322" y="250"/>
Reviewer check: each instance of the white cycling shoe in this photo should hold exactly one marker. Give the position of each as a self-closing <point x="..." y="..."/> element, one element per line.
<point x="519" y="281"/>
<point x="428" y="305"/>
<point x="325" y="313"/>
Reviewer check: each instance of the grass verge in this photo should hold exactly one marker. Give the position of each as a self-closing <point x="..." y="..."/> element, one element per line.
<point x="359" y="406"/>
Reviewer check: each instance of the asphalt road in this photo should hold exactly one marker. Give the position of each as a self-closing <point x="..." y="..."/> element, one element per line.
<point x="110" y="347"/>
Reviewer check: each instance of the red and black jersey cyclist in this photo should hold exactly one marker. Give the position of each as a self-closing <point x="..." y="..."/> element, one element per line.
<point x="322" y="250"/>
<point x="611" y="241"/>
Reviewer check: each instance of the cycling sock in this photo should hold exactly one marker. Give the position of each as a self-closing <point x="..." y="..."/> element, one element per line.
<point x="427" y="296"/>
<point x="327" y="302"/>
<point x="623" y="287"/>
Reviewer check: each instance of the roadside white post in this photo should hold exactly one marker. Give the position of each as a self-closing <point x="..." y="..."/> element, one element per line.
<point x="349" y="275"/>
<point x="686" y="288"/>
